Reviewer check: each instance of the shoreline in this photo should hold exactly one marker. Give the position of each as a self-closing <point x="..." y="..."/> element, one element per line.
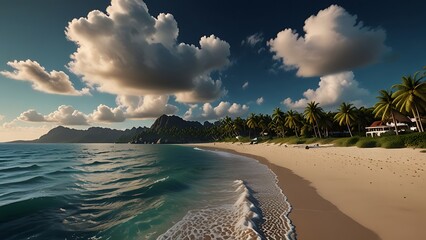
<point x="346" y="192"/>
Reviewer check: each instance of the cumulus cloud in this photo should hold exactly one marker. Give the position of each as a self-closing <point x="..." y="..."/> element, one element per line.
<point x="245" y="85"/>
<point x="107" y="114"/>
<point x="208" y="112"/>
<point x="206" y="90"/>
<point x="143" y="107"/>
<point x="334" y="41"/>
<point x="31" y="116"/>
<point x="332" y="90"/>
<point x="54" y="82"/>
<point x="67" y="115"/>
<point x="64" y="115"/>
<point x="260" y="101"/>
<point x="126" y="51"/>
<point x="253" y="39"/>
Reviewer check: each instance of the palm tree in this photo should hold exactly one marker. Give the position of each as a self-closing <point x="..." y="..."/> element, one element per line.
<point x="251" y="122"/>
<point x="238" y="125"/>
<point x="278" y="118"/>
<point x="292" y="121"/>
<point x="263" y="122"/>
<point x="228" y="126"/>
<point x="410" y="96"/>
<point x="346" y="115"/>
<point x="364" y="117"/>
<point x="312" y="114"/>
<point x="385" y="107"/>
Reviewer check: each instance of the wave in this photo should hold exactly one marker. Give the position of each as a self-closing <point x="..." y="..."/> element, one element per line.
<point x="18" y="169"/>
<point x="28" y="206"/>
<point x="229" y="221"/>
<point x="32" y="180"/>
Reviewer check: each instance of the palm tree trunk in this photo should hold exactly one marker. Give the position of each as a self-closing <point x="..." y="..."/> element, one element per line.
<point x="417" y="123"/>
<point x="315" y="131"/>
<point x="283" y="130"/>
<point x="319" y="132"/>
<point x="394" y="123"/>
<point x="295" y="130"/>
<point x="420" y="118"/>
<point x="350" y="132"/>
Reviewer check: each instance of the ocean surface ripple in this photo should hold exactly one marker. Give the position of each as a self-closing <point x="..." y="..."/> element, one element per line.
<point x="111" y="191"/>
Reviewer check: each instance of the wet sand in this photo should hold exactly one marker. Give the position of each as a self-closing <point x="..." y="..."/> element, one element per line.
<point x="347" y="193"/>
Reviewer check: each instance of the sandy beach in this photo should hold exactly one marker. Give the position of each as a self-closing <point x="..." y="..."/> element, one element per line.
<point x="347" y="192"/>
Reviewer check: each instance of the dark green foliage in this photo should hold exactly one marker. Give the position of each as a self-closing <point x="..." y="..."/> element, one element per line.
<point x="350" y="141"/>
<point x="415" y="139"/>
<point x="367" y="143"/>
<point x="392" y="142"/>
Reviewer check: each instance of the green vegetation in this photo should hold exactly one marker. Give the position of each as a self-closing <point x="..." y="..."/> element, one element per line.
<point x="417" y="140"/>
<point x="367" y="143"/>
<point x="315" y="125"/>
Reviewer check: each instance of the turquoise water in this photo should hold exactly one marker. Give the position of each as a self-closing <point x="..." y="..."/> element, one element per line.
<point x="112" y="191"/>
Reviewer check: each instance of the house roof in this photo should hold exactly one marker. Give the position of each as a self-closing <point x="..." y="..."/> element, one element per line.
<point x="376" y="124"/>
<point x="399" y="117"/>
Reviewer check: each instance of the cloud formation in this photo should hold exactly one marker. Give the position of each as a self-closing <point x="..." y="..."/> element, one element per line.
<point x="106" y="114"/>
<point x="253" y="39"/>
<point x="208" y="112"/>
<point x="149" y="106"/>
<point x="245" y="85"/>
<point x="332" y="90"/>
<point x="67" y="115"/>
<point x="333" y="42"/>
<point x="126" y="51"/>
<point x="31" y="115"/>
<point x="260" y="101"/>
<point x="54" y="82"/>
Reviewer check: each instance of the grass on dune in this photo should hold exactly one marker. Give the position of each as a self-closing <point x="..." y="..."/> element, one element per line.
<point x="416" y="140"/>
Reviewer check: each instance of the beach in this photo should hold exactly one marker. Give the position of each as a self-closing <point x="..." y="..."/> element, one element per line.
<point x="347" y="192"/>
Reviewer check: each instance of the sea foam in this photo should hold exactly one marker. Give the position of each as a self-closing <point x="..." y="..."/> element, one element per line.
<point x="228" y="221"/>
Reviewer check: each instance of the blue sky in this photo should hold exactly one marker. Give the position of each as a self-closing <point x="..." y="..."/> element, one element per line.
<point x="121" y="81"/>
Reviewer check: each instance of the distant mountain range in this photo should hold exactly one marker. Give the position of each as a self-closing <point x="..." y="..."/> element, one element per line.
<point x="165" y="129"/>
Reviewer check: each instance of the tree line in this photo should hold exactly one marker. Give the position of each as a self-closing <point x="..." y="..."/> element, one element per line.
<point x="407" y="98"/>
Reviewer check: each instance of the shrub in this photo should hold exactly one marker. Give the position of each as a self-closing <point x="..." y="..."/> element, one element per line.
<point x="367" y="143"/>
<point x="392" y="143"/>
<point x="415" y="139"/>
<point x="350" y="141"/>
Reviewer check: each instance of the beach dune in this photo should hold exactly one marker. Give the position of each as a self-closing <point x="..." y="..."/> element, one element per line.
<point x="347" y="192"/>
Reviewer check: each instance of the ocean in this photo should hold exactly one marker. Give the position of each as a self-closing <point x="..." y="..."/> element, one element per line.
<point x="124" y="191"/>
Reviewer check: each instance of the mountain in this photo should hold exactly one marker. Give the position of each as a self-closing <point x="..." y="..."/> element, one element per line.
<point x="165" y="129"/>
<point x="167" y="122"/>
<point x="173" y="129"/>
<point x="92" y="135"/>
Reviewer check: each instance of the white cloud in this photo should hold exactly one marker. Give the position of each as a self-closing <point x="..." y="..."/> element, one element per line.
<point x="67" y="115"/>
<point x="260" y="101"/>
<point x="55" y="82"/>
<point x="245" y="85"/>
<point x="106" y="114"/>
<point x="332" y="90"/>
<point x="31" y="115"/>
<point x="126" y="51"/>
<point x="208" y="112"/>
<point x="149" y="106"/>
<point x="253" y="39"/>
<point x="333" y="42"/>
<point x="64" y="115"/>
<point x="1" y="117"/>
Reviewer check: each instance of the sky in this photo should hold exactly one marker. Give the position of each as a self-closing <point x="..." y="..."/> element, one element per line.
<point x="123" y="63"/>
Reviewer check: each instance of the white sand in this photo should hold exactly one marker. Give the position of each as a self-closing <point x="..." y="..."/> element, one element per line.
<point x="382" y="189"/>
